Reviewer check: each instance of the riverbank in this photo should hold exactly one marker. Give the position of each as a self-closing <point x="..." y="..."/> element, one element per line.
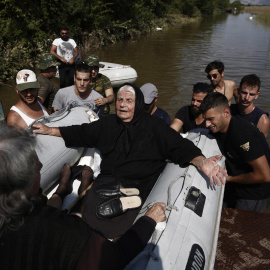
<point x="257" y="9"/>
<point x="262" y="14"/>
<point x="100" y="38"/>
<point x="24" y="55"/>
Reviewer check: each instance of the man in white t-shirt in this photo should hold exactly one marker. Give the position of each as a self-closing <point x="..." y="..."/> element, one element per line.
<point x="79" y="94"/>
<point x="28" y="108"/>
<point x="66" y="51"/>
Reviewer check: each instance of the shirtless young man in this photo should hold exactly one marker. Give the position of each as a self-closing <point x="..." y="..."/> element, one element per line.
<point x="215" y="73"/>
<point x="28" y="107"/>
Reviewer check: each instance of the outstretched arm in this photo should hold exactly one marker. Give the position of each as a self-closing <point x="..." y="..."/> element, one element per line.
<point x="210" y="168"/>
<point x="42" y="129"/>
<point x="99" y="253"/>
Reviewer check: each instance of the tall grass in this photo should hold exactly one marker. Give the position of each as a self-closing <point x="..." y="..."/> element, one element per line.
<point x="262" y="14"/>
<point x="257" y="9"/>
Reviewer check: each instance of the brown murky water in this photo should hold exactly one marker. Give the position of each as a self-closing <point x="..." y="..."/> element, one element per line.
<point x="175" y="59"/>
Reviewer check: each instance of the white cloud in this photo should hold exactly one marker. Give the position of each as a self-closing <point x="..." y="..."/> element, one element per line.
<point x="253" y="2"/>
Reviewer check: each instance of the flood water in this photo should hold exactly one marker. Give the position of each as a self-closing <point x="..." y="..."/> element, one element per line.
<point x="175" y="59"/>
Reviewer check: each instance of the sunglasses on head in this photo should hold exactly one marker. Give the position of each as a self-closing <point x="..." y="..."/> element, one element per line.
<point x="214" y="76"/>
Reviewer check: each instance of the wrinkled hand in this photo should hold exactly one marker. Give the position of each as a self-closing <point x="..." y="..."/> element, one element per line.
<point x="157" y="212"/>
<point x="42" y="129"/>
<point x="213" y="170"/>
<point x="100" y="101"/>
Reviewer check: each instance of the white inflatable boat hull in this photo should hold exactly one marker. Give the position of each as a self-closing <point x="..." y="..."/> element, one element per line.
<point x="52" y="152"/>
<point x="189" y="240"/>
<point x="118" y="74"/>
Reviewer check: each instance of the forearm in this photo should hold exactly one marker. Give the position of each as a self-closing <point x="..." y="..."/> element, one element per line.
<point x="198" y="162"/>
<point x="247" y="178"/>
<point x="109" y="99"/>
<point x="54" y="131"/>
<point x="56" y="55"/>
<point x="99" y="253"/>
<point x="42" y="129"/>
<point x="134" y="240"/>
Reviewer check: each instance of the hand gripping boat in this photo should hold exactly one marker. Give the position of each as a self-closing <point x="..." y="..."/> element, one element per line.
<point x="188" y="239"/>
<point x="51" y="151"/>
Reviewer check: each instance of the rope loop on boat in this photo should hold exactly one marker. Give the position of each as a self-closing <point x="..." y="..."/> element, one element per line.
<point x="47" y="119"/>
<point x="171" y="206"/>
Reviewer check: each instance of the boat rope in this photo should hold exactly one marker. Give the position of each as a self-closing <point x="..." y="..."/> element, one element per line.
<point x="170" y="205"/>
<point x="158" y="231"/>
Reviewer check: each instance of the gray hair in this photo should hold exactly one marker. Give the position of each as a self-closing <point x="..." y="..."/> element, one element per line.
<point x="18" y="161"/>
<point x="127" y="88"/>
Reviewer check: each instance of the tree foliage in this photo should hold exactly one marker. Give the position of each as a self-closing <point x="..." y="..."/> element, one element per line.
<point x="27" y="28"/>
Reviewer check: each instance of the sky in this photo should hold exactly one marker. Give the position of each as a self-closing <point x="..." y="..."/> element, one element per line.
<point x="254" y="2"/>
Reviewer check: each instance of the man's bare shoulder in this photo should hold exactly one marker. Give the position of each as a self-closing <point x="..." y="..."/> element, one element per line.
<point x="230" y="83"/>
<point x="14" y="119"/>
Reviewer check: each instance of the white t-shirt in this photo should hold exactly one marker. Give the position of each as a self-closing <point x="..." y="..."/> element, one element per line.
<point x="67" y="95"/>
<point x="65" y="49"/>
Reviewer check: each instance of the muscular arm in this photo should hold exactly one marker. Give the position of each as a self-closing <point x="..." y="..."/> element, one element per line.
<point x="231" y="90"/>
<point x="15" y="120"/>
<point x="260" y="173"/>
<point x="109" y="95"/>
<point x="235" y="92"/>
<point x="107" y="100"/>
<point x="176" y="124"/>
<point x="53" y="51"/>
<point x="264" y="124"/>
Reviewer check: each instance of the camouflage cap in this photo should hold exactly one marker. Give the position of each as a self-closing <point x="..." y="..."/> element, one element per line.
<point x="47" y="60"/>
<point x="92" y="60"/>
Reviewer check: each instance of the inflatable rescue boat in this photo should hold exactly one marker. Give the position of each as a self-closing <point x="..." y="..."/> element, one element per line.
<point x="117" y="73"/>
<point x="188" y="239"/>
<point x="51" y="150"/>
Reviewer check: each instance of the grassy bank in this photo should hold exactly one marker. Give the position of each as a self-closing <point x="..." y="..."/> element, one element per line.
<point x="257" y="9"/>
<point x="99" y="38"/>
<point x="262" y="14"/>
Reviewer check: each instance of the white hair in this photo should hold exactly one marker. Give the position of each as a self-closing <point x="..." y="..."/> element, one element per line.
<point x="127" y="88"/>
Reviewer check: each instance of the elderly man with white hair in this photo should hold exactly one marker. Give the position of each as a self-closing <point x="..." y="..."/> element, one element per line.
<point x="135" y="147"/>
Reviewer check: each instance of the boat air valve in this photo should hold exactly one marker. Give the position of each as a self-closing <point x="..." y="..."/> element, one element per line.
<point x="195" y="201"/>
